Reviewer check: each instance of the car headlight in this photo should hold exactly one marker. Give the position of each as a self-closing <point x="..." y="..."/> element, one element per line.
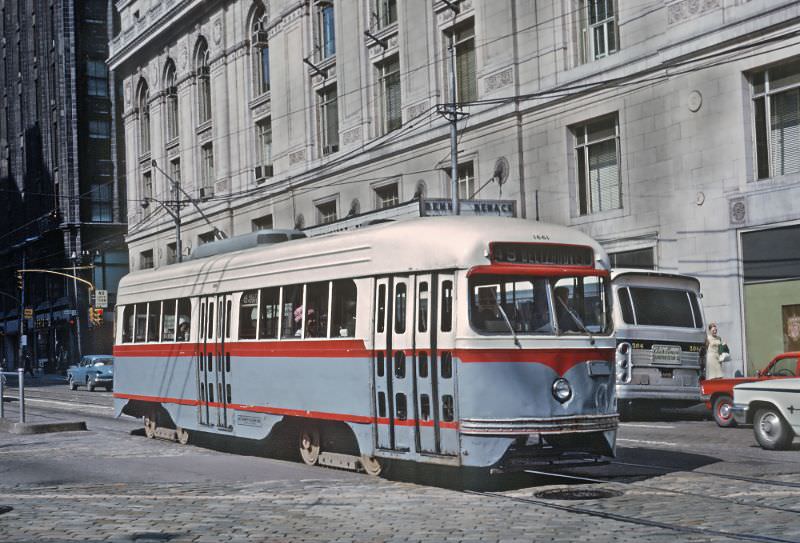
<point x="562" y="390"/>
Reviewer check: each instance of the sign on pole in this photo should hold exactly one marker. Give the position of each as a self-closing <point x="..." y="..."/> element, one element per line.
<point x="28" y="313"/>
<point x="101" y="298"/>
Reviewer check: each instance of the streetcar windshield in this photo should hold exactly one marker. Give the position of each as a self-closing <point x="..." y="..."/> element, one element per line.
<point x="506" y="305"/>
<point x="660" y="307"/>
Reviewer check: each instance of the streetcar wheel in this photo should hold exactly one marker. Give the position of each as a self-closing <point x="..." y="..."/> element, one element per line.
<point x="371" y="465"/>
<point x="72" y="384"/>
<point x="182" y="434"/>
<point x="309" y="444"/>
<point x="771" y="431"/>
<point x="723" y="411"/>
<point x="149" y="427"/>
<point x="89" y="385"/>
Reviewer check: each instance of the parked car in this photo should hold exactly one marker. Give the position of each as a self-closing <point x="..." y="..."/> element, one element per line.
<point x="718" y="393"/>
<point x="773" y="408"/>
<point x="94" y="370"/>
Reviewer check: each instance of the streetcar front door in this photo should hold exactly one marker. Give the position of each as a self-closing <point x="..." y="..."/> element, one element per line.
<point x="213" y="361"/>
<point x="434" y="369"/>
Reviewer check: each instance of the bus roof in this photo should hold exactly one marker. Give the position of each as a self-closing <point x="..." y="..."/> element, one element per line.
<point x="412" y="245"/>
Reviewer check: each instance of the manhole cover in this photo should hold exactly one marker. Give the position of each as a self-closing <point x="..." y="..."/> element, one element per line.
<point x="577" y="494"/>
<point x="5" y="509"/>
<point x="147" y="537"/>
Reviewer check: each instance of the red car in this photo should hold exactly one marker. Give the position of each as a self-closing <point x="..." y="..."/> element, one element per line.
<point x="718" y="393"/>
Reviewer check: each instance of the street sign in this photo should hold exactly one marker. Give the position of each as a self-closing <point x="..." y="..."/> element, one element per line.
<point x="101" y="298"/>
<point x="28" y="313"/>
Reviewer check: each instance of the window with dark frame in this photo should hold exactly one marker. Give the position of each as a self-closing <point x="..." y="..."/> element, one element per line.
<point x="385" y="13"/>
<point x="259" y="53"/>
<point x="203" y="75"/>
<point x="328" y="114"/>
<point x="776" y="108"/>
<point x="390" y="102"/>
<point x="326" y="212"/>
<point x="144" y="118"/>
<point x="171" y="98"/>
<point x="597" y="165"/>
<point x="325" y="31"/>
<point x="262" y="223"/>
<point x="466" y="77"/>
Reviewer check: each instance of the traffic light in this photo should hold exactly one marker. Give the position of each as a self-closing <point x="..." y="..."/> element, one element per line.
<point x="98" y="316"/>
<point x="19" y="281"/>
<point x="92" y="317"/>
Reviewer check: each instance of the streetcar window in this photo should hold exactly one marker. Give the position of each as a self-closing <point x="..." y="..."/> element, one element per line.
<point x="425" y="407"/>
<point x="316" y="313"/>
<point x="422" y="307"/>
<point x="228" y="362"/>
<point x="400" y="308"/>
<point x="500" y="304"/>
<point x="380" y="364"/>
<point x="625" y="305"/>
<point x="581" y="305"/>
<point x="153" y="315"/>
<point x="127" y="323"/>
<point x="400" y="406"/>
<point x="168" y="321"/>
<point x="422" y="363"/>
<point x="140" y="331"/>
<point x="202" y="320"/>
<point x="210" y="364"/>
<point x="400" y="365"/>
<point x="210" y="321"/>
<point x="248" y="314"/>
<point x="343" y="310"/>
<point x="184" y="319"/>
<point x="447" y="365"/>
<point x="447" y="306"/>
<point x="292" y="311"/>
<point x="382" y="404"/>
<point x="381" y="305"/>
<point x="268" y="325"/>
<point x="228" y="310"/>
<point x="210" y="392"/>
<point x="448" y="413"/>
<point x="228" y="387"/>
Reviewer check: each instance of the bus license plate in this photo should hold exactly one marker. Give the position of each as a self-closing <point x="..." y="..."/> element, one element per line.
<point x="666" y="354"/>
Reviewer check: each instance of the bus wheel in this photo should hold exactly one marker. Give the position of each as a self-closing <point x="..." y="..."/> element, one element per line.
<point x="371" y="465"/>
<point x="309" y="443"/>
<point x="149" y="427"/>
<point x="182" y="434"/>
<point x="723" y="411"/>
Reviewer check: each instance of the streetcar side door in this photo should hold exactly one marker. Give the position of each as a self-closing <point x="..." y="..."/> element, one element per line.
<point x="401" y="374"/>
<point x="206" y="361"/>
<point x="424" y="352"/>
<point x="381" y="345"/>
<point x="223" y="360"/>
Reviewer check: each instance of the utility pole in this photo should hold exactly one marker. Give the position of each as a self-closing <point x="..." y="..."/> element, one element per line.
<point x="77" y="308"/>
<point x="21" y="359"/>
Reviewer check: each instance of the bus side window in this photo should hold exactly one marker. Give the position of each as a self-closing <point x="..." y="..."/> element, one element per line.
<point x="447" y="306"/>
<point x="269" y="311"/>
<point x="184" y="319"/>
<point x="168" y="321"/>
<point x="128" y="318"/>
<point x="625" y="305"/>
<point x="248" y="314"/>
<point x="153" y="318"/>
<point x="343" y="310"/>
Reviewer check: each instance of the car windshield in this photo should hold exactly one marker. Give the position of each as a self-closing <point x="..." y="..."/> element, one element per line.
<point x="538" y="305"/>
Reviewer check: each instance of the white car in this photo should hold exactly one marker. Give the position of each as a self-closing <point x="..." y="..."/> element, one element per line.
<point x="772" y="407"/>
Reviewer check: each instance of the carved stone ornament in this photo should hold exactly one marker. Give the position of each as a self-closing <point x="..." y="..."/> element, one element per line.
<point x="689" y="9"/>
<point x="738" y="211"/>
<point x="695" y="101"/>
<point x="217" y="32"/>
<point x="183" y="56"/>
<point x="499" y="80"/>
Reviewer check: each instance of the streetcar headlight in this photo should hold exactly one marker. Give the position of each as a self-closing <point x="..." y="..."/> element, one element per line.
<point x="562" y="390"/>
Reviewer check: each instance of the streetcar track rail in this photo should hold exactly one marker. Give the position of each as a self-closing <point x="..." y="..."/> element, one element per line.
<point x="742" y="478"/>
<point x="581" y="510"/>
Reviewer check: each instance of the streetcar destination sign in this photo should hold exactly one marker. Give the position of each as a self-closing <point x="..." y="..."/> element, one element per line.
<point x="540" y="253"/>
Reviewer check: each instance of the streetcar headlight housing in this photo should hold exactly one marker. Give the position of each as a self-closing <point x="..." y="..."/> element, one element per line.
<point x="562" y="390"/>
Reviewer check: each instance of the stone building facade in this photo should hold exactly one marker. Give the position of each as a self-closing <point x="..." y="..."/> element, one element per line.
<point x="61" y="210"/>
<point x="667" y="130"/>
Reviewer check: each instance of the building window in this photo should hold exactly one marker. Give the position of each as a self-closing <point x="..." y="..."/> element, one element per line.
<point x="385" y="13"/>
<point x="637" y="258"/>
<point x="325" y="31"/>
<point x="776" y="95"/>
<point x="262" y="223"/>
<point x="203" y="82"/>
<point x="597" y="163"/>
<point x="326" y="212"/>
<point x="147" y="186"/>
<point x="172" y="253"/>
<point x="99" y="129"/>
<point x="386" y="196"/>
<point x="264" y="150"/>
<point x="259" y="53"/>
<point x="389" y="92"/>
<point x="97" y="78"/>
<point x="171" y="90"/>
<point x="466" y="79"/>
<point x="206" y="237"/>
<point x="146" y="259"/>
<point x="101" y="203"/>
<point x="466" y="180"/>
<point x="207" y="165"/>
<point x="144" y="118"/>
<point x="598" y="29"/>
<point x="175" y="170"/>
<point x="328" y="120"/>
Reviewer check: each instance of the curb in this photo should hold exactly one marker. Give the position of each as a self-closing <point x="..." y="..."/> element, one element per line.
<point x="41" y="427"/>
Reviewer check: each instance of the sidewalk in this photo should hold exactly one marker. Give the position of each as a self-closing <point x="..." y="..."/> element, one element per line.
<point x="35" y="423"/>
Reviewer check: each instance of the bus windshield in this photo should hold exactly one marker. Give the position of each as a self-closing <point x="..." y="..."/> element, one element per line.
<point x="500" y="304"/>
<point x="660" y="307"/>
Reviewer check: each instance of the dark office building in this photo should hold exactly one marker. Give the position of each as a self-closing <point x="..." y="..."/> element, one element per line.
<point x="61" y="205"/>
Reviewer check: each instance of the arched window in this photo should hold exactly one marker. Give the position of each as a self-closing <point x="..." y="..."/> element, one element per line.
<point x="143" y="101"/>
<point x="171" y="91"/>
<point x="203" y="73"/>
<point x="259" y="52"/>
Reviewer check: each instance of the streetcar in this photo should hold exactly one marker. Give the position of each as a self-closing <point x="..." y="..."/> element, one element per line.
<point x="658" y="320"/>
<point x="478" y="342"/>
